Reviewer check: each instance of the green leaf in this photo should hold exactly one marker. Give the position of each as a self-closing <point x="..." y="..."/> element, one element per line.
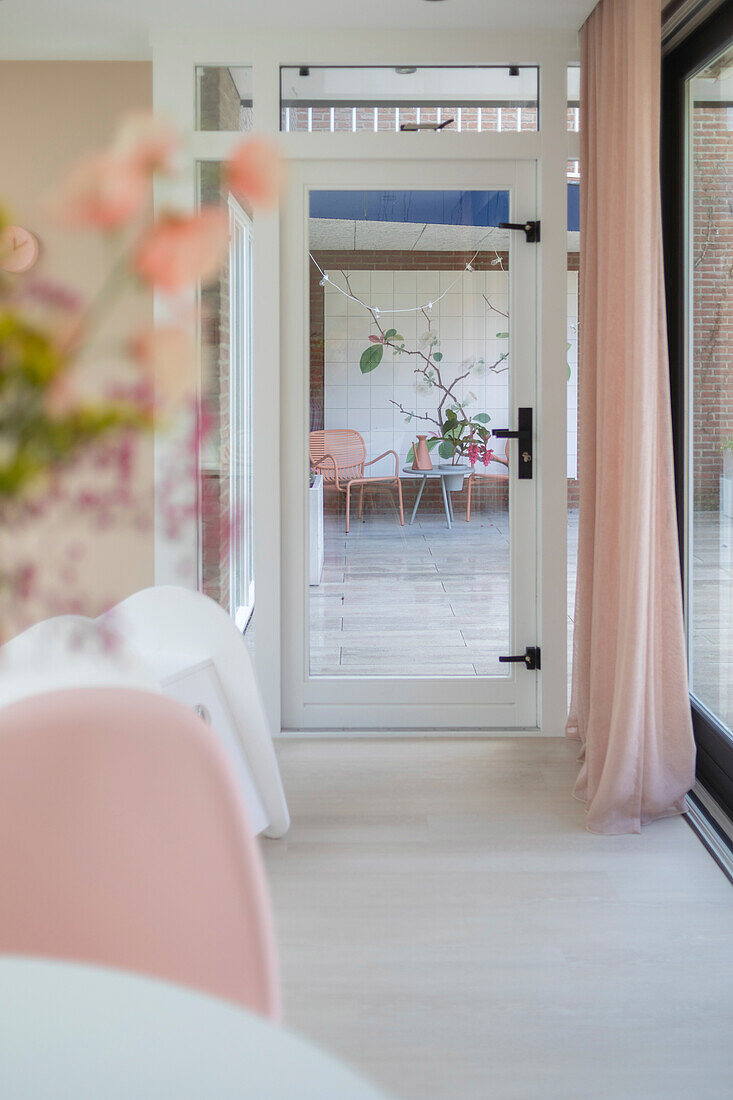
<point x="398" y="337"/>
<point x="433" y="443"/>
<point x="446" y="449"/>
<point x="411" y="454"/>
<point x="438" y="356"/>
<point x="450" y="414"/>
<point x="502" y="336"/>
<point x="483" y="418"/>
<point x="390" y="333"/>
<point x="371" y="357"/>
<point x="569" y="372"/>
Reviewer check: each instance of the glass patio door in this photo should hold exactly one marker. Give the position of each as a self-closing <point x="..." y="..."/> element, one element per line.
<point x="409" y="427"/>
<point x="698" y="175"/>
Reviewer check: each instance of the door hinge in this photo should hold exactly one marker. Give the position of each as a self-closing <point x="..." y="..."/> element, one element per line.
<point x="532" y="658"/>
<point x="530" y="229"/>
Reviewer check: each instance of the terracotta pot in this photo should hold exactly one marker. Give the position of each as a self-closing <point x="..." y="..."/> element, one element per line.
<point x="422" y="454"/>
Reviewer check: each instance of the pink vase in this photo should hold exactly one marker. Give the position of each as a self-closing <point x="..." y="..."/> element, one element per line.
<point x="422" y="454"/>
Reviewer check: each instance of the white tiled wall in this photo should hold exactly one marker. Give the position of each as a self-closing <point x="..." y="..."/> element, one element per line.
<point x="467" y="329"/>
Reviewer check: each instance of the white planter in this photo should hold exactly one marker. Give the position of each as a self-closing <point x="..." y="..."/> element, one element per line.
<point x="726" y="486"/>
<point x="454" y="483"/>
<point x="315" y="530"/>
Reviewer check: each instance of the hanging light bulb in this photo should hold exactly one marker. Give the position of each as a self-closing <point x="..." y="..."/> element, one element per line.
<point x="469" y="266"/>
<point x="376" y="311"/>
<point x="430" y="305"/>
<point x="323" y="281"/>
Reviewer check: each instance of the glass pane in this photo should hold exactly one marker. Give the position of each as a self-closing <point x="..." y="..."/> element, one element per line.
<point x="223" y="98"/>
<point x="241" y="595"/>
<point x="573" y="472"/>
<point x="710" y="344"/>
<point x="225" y="463"/>
<point x="573" y="98"/>
<point x="405" y="341"/>
<point x="462" y="99"/>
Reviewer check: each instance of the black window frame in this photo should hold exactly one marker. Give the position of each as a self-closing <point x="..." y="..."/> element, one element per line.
<point x="704" y="44"/>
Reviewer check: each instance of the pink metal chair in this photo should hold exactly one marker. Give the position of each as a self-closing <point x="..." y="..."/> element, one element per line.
<point x="125" y="842"/>
<point x="339" y="454"/>
<point x="496" y="476"/>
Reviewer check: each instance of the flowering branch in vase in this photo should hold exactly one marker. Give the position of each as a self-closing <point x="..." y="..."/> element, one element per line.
<point x="59" y="407"/>
<point x="459" y="433"/>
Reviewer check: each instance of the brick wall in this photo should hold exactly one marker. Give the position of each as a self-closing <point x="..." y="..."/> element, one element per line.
<point x="219" y="106"/>
<point x="712" y="366"/>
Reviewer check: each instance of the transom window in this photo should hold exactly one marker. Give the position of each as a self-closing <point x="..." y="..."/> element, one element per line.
<point x="406" y="98"/>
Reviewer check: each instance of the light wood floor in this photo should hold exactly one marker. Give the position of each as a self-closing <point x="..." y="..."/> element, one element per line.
<point x="447" y="925"/>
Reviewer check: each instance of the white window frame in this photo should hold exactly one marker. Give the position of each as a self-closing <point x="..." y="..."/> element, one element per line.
<point x="241" y="418"/>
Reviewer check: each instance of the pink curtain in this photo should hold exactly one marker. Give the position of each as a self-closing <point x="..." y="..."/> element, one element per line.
<point x="630" y="705"/>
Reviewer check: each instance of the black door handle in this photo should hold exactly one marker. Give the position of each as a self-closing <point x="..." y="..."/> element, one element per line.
<point x="524" y="435"/>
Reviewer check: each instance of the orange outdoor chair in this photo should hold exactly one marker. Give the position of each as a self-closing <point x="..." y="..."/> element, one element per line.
<point x="497" y="476"/>
<point x="339" y="454"/>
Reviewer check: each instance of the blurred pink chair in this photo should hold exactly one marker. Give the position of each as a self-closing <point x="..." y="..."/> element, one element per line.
<point x="124" y="842"/>
<point x="339" y="454"/>
<point x="502" y="474"/>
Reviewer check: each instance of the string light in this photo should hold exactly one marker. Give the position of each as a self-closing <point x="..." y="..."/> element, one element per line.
<point x="411" y="309"/>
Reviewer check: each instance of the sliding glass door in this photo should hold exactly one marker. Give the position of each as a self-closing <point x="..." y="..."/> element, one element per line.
<point x="698" y="150"/>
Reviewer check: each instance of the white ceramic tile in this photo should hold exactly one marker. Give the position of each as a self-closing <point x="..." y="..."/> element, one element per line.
<point x="360" y="281"/>
<point x="335" y="327"/>
<point x="428" y="283"/>
<point x="335" y="304"/>
<point x="355" y="347"/>
<point x="474" y="305"/>
<point x="360" y="419"/>
<point x="383" y="418"/>
<point x="335" y="418"/>
<point x="335" y="351"/>
<point x="335" y="374"/>
<point x="358" y="397"/>
<point x="335" y="397"/>
<point x="382" y="282"/>
<point x="450" y="328"/>
<point x="359" y="327"/>
<point x="451" y="305"/>
<point x="380" y="395"/>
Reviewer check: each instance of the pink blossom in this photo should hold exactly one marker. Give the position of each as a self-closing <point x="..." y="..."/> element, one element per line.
<point x="101" y="191"/>
<point x="253" y="172"/>
<point x="147" y="142"/>
<point x="60" y="397"/>
<point x="486" y="457"/>
<point x="182" y="249"/>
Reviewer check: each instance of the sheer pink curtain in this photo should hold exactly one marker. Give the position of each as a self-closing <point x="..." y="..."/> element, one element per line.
<point x="630" y="704"/>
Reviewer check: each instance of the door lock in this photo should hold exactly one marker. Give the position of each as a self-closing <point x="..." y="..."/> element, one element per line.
<point x="531" y="230"/>
<point x="531" y="657"/>
<point x="524" y="435"/>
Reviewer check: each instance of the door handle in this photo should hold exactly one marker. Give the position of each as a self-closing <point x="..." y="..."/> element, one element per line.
<point x="523" y="435"/>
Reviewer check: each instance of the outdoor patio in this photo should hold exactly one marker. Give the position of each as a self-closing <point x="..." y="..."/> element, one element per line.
<point x="413" y="601"/>
<point x="426" y="601"/>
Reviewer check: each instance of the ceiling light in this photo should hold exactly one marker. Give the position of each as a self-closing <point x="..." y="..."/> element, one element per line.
<point x="405" y="70"/>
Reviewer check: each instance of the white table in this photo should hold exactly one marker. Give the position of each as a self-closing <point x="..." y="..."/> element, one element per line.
<point x="75" y="1032"/>
<point x="437" y="471"/>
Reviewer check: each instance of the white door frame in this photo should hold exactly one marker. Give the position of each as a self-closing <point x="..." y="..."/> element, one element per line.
<point x="452" y="703"/>
<point x="175" y="57"/>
